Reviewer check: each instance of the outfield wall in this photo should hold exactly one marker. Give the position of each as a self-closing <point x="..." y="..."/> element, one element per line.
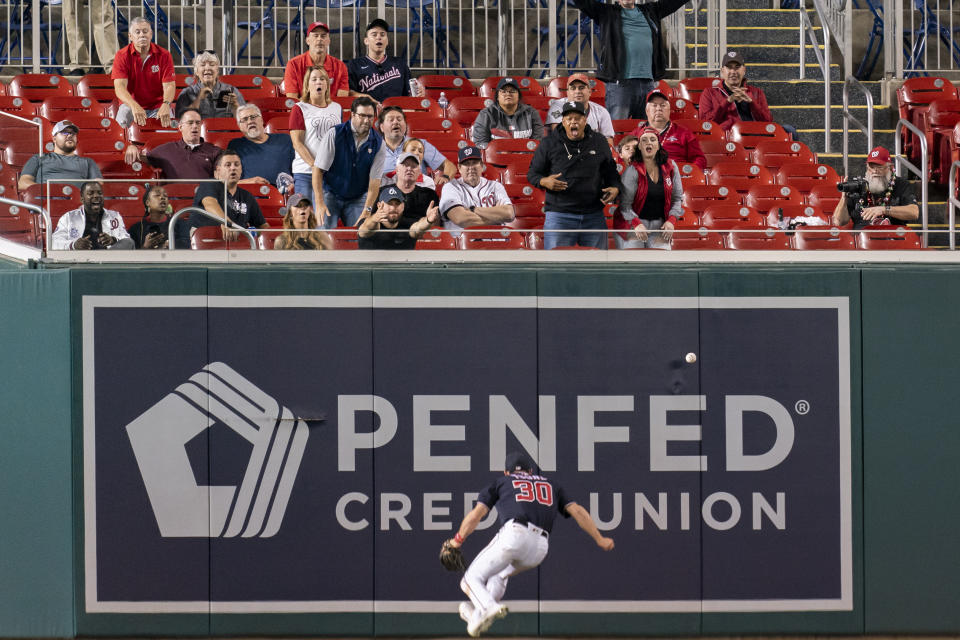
<point x="280" y="450"/>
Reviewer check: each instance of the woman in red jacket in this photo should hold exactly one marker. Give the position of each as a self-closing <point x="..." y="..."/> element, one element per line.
<point x="652" y="196"/>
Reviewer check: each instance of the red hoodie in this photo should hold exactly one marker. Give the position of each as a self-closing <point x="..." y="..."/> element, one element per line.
<point x="715" y="107"/>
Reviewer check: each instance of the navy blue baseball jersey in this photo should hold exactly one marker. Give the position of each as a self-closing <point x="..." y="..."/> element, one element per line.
<point x="526" y="497"/>
<point x="380" y="80"/>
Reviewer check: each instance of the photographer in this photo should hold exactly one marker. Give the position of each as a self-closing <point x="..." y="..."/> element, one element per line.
<point x="90" y="226"/>
<point x="878" y="198"/>
<point x="209" y="96"/>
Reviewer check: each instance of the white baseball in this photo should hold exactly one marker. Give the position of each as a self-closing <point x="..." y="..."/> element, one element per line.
<point x="691" y="358"/>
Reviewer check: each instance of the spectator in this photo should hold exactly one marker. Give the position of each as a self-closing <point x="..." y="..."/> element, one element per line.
<point x="679" y="142"/>
<point x="143" y="78"/>
<point x="507" y="117"/>
<point x="393" y="128"/>
<point x="90" y="226"/>
<point x="150" y="232"/>
<point x="579" y="90"/>
<point x="626" y="150"/>
<point x="471" y="200"/>
<point x="317" y="55"/>
<point x="189" y="158"/>
<point x="104" y="36"/>
<point x="886" y="199"/>
<point x="633" y="54"/>
<point x="241" y="206"/>
<point x="417" y="197"/>
<point x="652" y="196"/>
<point x="574" y="166"/>
<point x="300" y="216"/>
<point x="341" y="171"/>
<point x="378" y="75"/>
<point x="265" y="155"/>
<point x="209" y="96"/>
<point x="734" y="100"/>
<point x="384" y="228"/>
<point x="416" y="147"/>
<point x="310" y="119"/>
<point x="61" y="163"/>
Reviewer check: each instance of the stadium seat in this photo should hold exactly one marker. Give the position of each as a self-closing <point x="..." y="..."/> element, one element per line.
<point x="344" y="238"/>
<point x="701" y="240"/>
<point x="36" y="87"/>
<point x="97" y="125"/>
<point x="98" y="86"/>
<point x="17" y="150"/>
<point x="56" y="108"/>
<point x="682" y="109"/>
<point x="715" y="151"/>
<point x="822" y="238"/>
<point x="452" y="86"/>
<point x="273" y="107"/>
<point x="625" y="126"/>
<point x="527" y="201"/>
<point x="528" y="86"/>
<point x="510" y="153"/>
<point x="804" y="176"/>
<point x="913" y="100"/>
<point x="887" y="237"/>
<point x="726" y="216"/>
<point x="220" y="131"/>
<point x="251" y="86"/>
<point x="418" y="105"/>
<point x="540" y="103"/>
<point x="774" y="154"/>
<point x="749" y="134"/>
<point x="697" y="198"/>
<point x="938" y="124"/>
<point x="490" y="238"/>
<point x="211" y="237"/>
<point x="514" y="174"/>
<point x="769" y="239"/>
<point x="16" y="106"/>
<point x="268" y="197"/>
<point x="56" y="198"/>
<point x="792" y="211"/>
<point x="448" y="144"/>
<point x="425" y="125"/>
<point x="764" y="196"/>
<point x="737" y="175"/>
<point x="8" y="181"/>
<point x="182" y="81"/>
<point x="278" y="124"/>
<point x="703" y="129"/>
<point x="19" y="229"/>
<point x="824" y="198"/>
<point x="691" y="174"/>
<point x="691" y="88"/>
<point x="435" y="240"/>
<point x="464" y="109"/>
<point x="151" y="137"/>
<point x="557" y="88"/>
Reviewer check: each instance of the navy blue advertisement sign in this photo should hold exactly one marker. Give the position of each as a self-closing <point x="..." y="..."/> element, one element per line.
<point x="310" y="454"/>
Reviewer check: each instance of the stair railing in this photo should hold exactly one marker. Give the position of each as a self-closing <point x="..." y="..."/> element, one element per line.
<point x="921" y="172"/>
<point x="848" y="117"/>
<point x="953" y="202"/>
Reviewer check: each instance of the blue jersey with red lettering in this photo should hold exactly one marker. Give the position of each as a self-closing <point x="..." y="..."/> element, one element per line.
<point x="526" y="497"/>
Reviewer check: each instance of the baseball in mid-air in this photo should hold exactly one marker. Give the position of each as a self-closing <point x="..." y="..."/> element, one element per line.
<point x="691" y="357"/>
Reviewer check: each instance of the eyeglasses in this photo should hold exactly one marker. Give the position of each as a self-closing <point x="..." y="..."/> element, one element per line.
<point x="364" y="116"/>
<point x="249" y="119"/>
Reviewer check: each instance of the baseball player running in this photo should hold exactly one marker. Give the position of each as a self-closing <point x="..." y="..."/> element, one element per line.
<point x="526" y="504"/>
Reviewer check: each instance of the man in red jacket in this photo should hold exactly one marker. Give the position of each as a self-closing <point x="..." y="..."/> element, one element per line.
<point x="679" y="142"/>
<point x="733" y="100"/>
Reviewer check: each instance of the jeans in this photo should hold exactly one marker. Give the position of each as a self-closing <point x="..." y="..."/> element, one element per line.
<point x="653" y="241"/>
<point x="574" y="222"/>
<point x="792" y="130"/>
<point x="303" y="184"/>
<point x="124" y="115"/>
<point x="627" y="98"/>
<point x="340" y="209"/>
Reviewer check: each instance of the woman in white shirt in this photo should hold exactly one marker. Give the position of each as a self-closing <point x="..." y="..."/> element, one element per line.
<point x="309" y="120"/>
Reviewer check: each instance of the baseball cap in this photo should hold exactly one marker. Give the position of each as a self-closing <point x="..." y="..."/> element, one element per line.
<point x="63" y="125"/>
<point x="731" y="56"/>
<point x="518" y="461"/>
<point x="314" y="25"/>
<point x="468" y="153"/>
<point x="297" y="200"/>
<point x="657" y="92"/>
<point x="378" y="22"/>
<point x="578" y="77"/>
<point x="879" y="155"/>
<point x="391" y="193"/>
<point x="508" y="82"/>
<point x="406" y="155"/>
<point x="573" y="107"/>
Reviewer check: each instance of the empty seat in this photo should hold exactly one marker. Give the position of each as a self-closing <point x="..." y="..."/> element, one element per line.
<point x="220" y="131"/>
<point x="914" y="98"/>
<point x="822" y="238"/>
<point x="750" y="240"/>
<point x="98" y="86"/>
<point x="789" y="213"/>
<point x="452" y="86"/>
<point x="464" y="109"/>
<point x="716" y="150"/>
<point x="773" y="154"/>
<point x="55" y="108"/>
<point x="691" y="174"/>
<point x="411" y="104"/>
<point x="698" y="197"/>
<point x="700" y="240"/>
<point x="824" y="198"/>
<point x="739" y="176"/>
<point x="750" y="134"/>
<point x="510" y="152"/>
<point x="211" y="237"/>
<point x="425" y="125"/>
<point x="251" y="86"/>
<point x="764" y="196"/>
<point x="528" y="86"/>
<point x="490" y="238"/>
<point x="703" y="129"/>
<point x="887" y="237"/>
<point x="727" y="216"/>
<point x="691" y="88"/>
<point x="36" y="87"/>
<point x="435" y="239"/>
<point x="805" y="176"/>
<point x="17" y="106"/>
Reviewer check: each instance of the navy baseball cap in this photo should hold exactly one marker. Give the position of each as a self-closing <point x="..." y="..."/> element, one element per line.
<point x="573" y="107"/>
<point x="391" y="193"/>
<point x="378" y="22"/>
<point x="518" y="461"/>
<point x="508" y="82"/>
<point x="469" y="153"/>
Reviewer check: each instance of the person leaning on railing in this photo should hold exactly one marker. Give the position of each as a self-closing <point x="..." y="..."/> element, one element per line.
<point x="652" y="198"/>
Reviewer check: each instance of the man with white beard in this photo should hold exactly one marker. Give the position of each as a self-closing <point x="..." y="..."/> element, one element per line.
<point x="888" y="200"/>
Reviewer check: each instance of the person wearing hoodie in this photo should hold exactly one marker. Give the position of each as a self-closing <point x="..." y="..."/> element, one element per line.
<point x="507" y="117"/>
<point x="575" y="168"/>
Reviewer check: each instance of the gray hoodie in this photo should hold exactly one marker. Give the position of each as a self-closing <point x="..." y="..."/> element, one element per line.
<point x="524" y="123"/>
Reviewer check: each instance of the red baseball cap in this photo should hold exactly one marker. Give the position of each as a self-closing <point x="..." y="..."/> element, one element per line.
<point x="657" y="92"/>
<point x="578" y="77"/>
<point x="879" y="155"/>
<point x="314" y="25"/>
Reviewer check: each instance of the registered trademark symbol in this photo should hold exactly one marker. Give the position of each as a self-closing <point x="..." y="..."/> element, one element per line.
<point x="802" y="407"/>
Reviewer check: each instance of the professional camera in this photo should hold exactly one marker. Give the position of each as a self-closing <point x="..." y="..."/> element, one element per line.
<point x="853" y="186"/>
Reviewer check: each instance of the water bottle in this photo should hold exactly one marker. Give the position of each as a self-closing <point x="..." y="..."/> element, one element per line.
<point x="443" y="102"/>
<point x="284" y="180"/>
<point x="414" y="87"/>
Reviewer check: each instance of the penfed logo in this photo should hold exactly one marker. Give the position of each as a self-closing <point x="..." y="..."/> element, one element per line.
<point x="185" y="508"/>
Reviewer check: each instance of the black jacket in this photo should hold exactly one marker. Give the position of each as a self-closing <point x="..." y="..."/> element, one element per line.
<point x="586" y="166"/>
<point x="612" y="51"/>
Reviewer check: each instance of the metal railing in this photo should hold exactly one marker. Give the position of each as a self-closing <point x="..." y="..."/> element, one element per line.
<point x="34" y="209"/>
<point x="922" y="172"/>
<point x="848" y="117"/>
<point x="171" y="239"/>
<point x="835" y="23"/>
<point x="952" y="202"/>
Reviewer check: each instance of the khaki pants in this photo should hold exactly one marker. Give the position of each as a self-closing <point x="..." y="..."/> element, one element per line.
<point x="104" y="30"/>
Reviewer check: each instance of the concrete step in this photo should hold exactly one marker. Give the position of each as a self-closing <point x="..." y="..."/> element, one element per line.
<point x="761" y="51"/>
<point x="777" y="70"/>
<point x="807" y="91"/>
<point x="747" y="17"/>
<point x="772" y="34"/>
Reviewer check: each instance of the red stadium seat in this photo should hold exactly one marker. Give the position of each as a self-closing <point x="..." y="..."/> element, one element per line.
<point x="701" y="240"/>
<point x="253" y="87"/>
<point x="448" y="144"/>
<point x="913" y="100"/>
<point x="751" y="240"/>
<point x="749" y="134"/>
<point x="211" y="237"/>
<point x="698" y="197"/>
<point x="527" y="201"/>
<point x="691" y="174"/>
<point x="490" y="238"/>
<point x="622" y="127"/>
<point x="682" y="109"/>
<point x="715" y="151"/>
<point x="425" y="125"/>
<point x="273" y="107"/>
<point x="268" y="197"/>
<point x="152" y="133"/>
<point x="540" y="103"/>
<point x="691" y="88"/>
<point x="451" y="86"/>
<point x="463" y="110"/>
<point x="182" y="81"/>
<point x="220" y="131"/>
<point x="435" y="240"/>
<point x="57" y="108"/>
<point x="887" y="237"/>
<point x="822" y="238"/>
<point x="939" y="121"/>
<point x="19" y="229"/>
<point x="417" y="105"/>
<point x="703" y="129"/>
<point x="789" y="212"/>
<point x="17" y="106"/>
<point x="36" y="87"/>
<point x="98" y="86"/>
<point x="56" y="198"/>
<point x="805" y="176"/>
<point x="278" y="124"/>
<point x="764" y="196"/>
<point x="824" y="198"/>
<point x="528" y="86"/>
<point x="344" y="239"/>
<point x="774" y="154"/>
<point x="737" y="175"/>
<point x="515" y="174"/>
<point x="510" y="152"/>
<point x="727" y="216"/>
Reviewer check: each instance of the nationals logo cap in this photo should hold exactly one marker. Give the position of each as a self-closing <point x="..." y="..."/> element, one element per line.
<point x="468" y="153"/>
<point x="879" y="155"/>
